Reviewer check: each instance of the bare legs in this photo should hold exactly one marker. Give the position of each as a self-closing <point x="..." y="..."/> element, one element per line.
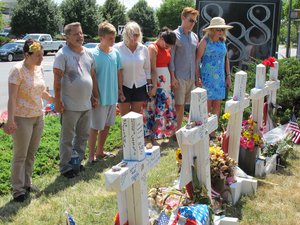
<point x="130" y="106"/>
<point x="179" y="115"/>
<point x="214" y="107"/>
<point x="102" y="135"/>
<point x="92" y="144"/>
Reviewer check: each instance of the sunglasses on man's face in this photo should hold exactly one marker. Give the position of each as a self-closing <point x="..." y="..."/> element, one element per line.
<point x="220" y="29"/>
<point x="191" y="20"/>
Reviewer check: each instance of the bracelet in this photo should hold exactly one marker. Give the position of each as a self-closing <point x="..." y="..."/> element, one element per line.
<point x="228" y="75"/>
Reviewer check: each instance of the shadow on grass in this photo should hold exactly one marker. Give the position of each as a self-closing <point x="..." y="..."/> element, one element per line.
<point x="11" y="208"/>
<point x="91" y="169"/>
<point x="236" y="210"/>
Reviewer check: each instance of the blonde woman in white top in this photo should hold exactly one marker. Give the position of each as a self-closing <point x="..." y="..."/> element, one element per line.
<point x="135" y="68"/>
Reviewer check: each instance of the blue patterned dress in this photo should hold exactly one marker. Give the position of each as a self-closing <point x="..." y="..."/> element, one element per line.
<point x="213" y="69"/>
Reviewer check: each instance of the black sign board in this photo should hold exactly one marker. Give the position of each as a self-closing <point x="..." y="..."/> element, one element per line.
<point x="256" y="26"/>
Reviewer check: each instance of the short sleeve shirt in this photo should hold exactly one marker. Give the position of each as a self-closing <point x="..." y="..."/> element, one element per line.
<point x="183" y="60"/>
<point x="77" y="84"/>
<point x="31" y="87"/>
<point x="136" y="65"/>
<point x="106" y="68"/>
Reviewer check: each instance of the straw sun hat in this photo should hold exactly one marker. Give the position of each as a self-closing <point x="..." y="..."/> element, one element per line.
<point x="217" y="22"/>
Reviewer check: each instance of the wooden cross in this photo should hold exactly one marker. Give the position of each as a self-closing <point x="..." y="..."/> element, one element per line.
<point x="235" y="108"/>
<point x="194" y="142"/>
<point x="272" y="85"/>
<point x="128" y="178"/>
<point x="263" y="88"/>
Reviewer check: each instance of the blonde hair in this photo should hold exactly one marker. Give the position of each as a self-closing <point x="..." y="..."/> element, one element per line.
<point x="68" y="27"/>
<point x="189" y="11"/>
<point x="130" y="29"/>
<point x="106" y="28"/>
<point x="210" y="33"/>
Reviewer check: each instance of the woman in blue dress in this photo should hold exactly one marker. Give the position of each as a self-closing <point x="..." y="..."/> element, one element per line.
<point x="212" y="63"/>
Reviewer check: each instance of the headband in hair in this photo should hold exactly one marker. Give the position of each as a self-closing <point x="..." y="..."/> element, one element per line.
<point x="35" y="47"/>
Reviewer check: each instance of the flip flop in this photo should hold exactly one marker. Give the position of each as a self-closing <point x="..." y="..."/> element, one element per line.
<point x="106" y="155"/>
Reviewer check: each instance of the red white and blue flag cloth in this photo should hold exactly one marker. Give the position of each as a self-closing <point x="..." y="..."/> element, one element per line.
<point x="190" y="215"/>
<point x="70" y="220"/>
<point x="293" y="128"/>
<point x="163" y="219"/>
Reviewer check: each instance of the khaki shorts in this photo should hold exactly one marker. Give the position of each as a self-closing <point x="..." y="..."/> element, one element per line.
<point x="103" y="115"/>
<point x="183" y="92"/>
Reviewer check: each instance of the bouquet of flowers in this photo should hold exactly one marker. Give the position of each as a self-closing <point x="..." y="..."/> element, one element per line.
<point x="221" y="165"/>
<point x="250" y="135"/>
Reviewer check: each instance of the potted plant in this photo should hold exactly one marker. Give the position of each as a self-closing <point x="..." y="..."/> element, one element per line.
<point x="250" y="142"/>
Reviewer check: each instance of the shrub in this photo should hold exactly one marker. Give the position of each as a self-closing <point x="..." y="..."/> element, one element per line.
<point x="4" y="40"/>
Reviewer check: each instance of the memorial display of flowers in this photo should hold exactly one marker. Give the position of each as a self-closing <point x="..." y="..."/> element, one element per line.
<point x="221" y="165"/>
<point x="250" y="135"/>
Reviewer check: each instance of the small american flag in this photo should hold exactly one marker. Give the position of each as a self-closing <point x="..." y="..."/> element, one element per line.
<point x="163" y="219"/>
<point x="293" y="128"/>
<point x="70" y="220"/>
<point x="214" y="194"/>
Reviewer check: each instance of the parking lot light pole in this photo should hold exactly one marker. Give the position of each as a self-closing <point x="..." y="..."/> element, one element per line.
<point x="289" y="31"/>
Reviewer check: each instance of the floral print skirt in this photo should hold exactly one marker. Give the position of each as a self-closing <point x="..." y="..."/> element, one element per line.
<point x="161" y="108"/>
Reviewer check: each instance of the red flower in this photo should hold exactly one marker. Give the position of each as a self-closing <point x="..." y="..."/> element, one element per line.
<point x="269" y="62"/>
<point x="250" y="145"/>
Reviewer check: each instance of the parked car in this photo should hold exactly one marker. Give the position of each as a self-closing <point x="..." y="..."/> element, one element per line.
<point x="90" y="45"/>
<point x="5" y="32"/>
<point x="47" y="42"/>
<point x="11" y="51"/>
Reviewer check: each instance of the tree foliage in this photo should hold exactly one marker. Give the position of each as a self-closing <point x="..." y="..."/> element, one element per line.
<point x="284" y="21"/>
<point x="170" y="10"/>
<point x="114" y="12"/>
<point x="144" y="15"/>
<point x="1" y="16"/>
<point x="35" y="16"/>
<point x="84" y="11"/>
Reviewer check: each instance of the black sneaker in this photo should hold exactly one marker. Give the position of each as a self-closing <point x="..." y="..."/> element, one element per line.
<point x="81" y="168"/>
<point x="33" y="189"/>
<point x="69" y="174"/>
<point x="20" y="198"/>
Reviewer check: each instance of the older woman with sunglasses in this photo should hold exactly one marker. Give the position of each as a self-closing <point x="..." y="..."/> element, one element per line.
<point x="135" y="68"/>
<point x="25" y="116"/>
<point x="213" y="60"/>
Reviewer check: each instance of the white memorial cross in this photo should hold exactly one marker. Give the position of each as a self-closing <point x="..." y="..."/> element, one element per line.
<point x="272" y="85"/>
<point x="258" y="94"/>
<point x="128" y="178"/>
<point x="235" y="108"/>
<point x="263" y="88"/>
<point x="194" y="142"/>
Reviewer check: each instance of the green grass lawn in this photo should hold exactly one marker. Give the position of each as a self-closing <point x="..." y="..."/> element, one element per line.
<point x="85" y="197"/>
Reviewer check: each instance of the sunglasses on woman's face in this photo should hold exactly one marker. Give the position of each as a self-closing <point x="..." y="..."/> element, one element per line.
<point x="220" y="29"/>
